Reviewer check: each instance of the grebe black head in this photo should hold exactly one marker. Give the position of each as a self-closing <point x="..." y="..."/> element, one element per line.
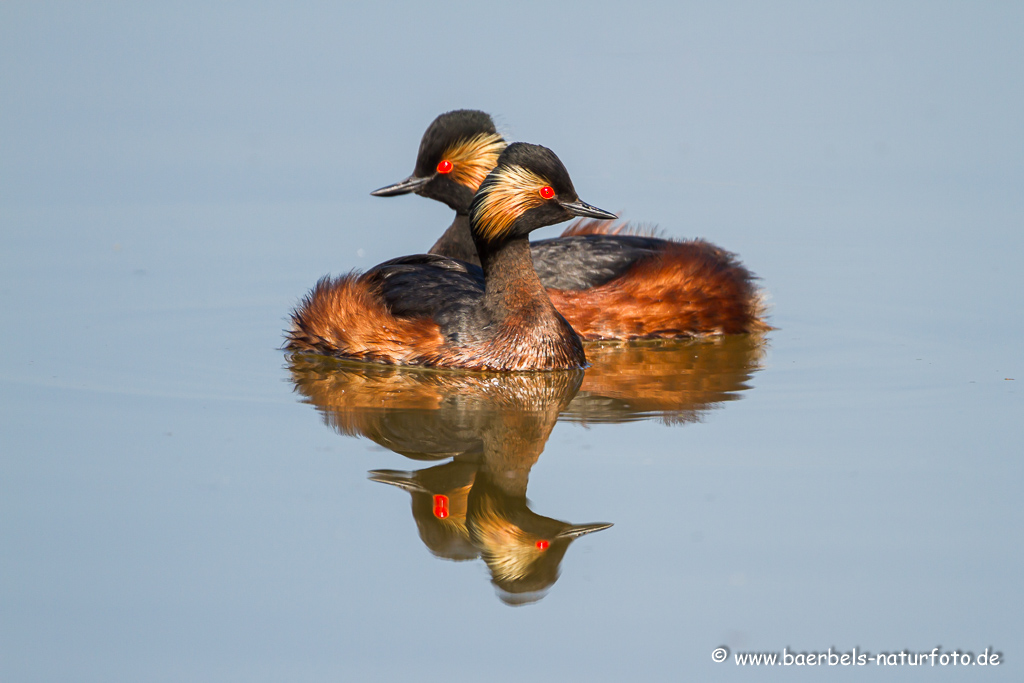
<point x="456" y="153"/>
<point x="527" y="190"/>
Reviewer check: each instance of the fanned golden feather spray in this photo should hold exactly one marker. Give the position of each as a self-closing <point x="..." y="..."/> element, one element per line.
<point x="515" y="191"/>
<point x="474" y="158"/>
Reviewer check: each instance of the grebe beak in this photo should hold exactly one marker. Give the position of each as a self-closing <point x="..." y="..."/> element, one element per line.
<point x="410" y="184"/>
<point x="581" y="208"/>
<point x="582" y="529"/>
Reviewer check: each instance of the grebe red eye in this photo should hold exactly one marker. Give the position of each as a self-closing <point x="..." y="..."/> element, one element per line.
<point x="440" y="506"/>
<point x="542" y="544"/>
<point x="547" y="192"/>
<point x="444" y="166"/>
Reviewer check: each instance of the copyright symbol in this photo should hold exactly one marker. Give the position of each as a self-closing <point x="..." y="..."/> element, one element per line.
<point x="719" y="654"/>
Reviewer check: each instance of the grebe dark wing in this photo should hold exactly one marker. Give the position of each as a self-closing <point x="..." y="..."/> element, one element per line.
<point x="433" y="260"/>
<point x="586" y="261"/>
<point x="427" y="285"/>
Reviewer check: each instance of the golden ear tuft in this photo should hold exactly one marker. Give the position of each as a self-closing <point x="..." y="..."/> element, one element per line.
<point x="474" y="158"/>
<point x="514" y="191"/>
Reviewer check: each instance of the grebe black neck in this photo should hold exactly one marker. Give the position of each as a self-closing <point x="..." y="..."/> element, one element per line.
<point x="510" y="281"/>
<point x="457" y="242"/>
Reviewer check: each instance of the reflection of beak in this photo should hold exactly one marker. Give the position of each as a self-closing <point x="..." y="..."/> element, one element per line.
<point x="578" y="530"/>
<point x="402" y="480"/>
<point x="410" y="184"/>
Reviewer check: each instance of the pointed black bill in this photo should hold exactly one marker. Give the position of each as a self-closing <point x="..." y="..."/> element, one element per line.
<point x="581" y="208"/>
<point x="410" y="184"/>
<point x="578" y="530"/>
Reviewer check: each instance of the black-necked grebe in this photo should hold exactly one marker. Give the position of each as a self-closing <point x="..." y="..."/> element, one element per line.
<point x="607" y="284"/>
<point x="431" y="310"/>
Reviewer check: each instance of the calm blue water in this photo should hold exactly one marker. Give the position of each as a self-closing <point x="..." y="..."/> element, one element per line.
<point x="179" y="501"/>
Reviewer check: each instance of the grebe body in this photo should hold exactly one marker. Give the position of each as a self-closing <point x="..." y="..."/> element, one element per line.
<point x="436" y="311"/>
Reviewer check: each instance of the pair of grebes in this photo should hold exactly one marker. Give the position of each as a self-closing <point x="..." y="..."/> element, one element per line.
<point x="487" y="299"/>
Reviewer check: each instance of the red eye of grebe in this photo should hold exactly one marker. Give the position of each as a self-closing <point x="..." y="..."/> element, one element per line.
<point x="444" y="166"/>
<point x="547" y="192"/>
<point x="542" y="545"/>
<point x="440" y="506"/>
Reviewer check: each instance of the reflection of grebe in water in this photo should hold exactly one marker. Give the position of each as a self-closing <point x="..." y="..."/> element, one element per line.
<point x="675" y="382"/>
<point x="463" y="512"/>
<point x="497" y="426"/>
<point x="494" y="428"/>
<point x="423" y="414"/>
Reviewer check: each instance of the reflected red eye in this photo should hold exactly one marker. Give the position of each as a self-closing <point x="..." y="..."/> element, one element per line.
<point x="440" y="506"/>
<point x="444" y="166"/>
<point x="547" y="192"/>
<point x="542" y="544"/>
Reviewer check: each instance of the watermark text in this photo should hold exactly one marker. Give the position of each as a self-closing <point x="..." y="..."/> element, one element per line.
<point x="857" y="657"/>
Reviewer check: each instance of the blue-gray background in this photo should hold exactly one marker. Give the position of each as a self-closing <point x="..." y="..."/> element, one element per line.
<point x="173" y="179"/>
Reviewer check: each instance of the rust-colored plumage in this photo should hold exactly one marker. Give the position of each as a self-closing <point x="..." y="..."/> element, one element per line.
<point x="586" y="226"/>
<point x="686" y="289"/>
<point x="346" y="317"/>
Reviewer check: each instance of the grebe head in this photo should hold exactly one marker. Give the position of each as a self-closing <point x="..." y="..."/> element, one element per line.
<point x="529" y="189"/>
<point x="456" y="153"/>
